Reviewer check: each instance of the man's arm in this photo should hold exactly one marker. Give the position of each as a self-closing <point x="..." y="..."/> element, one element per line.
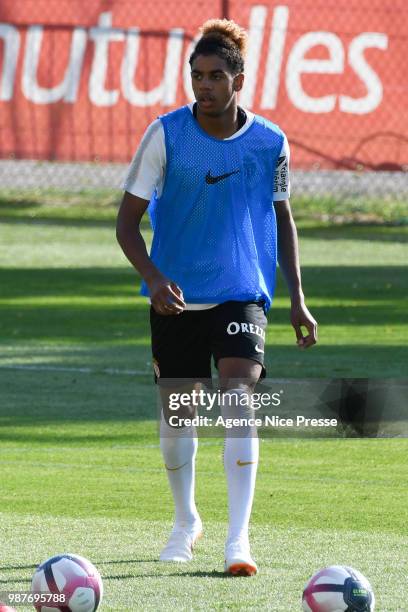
<point x="288" y="258"/>
<point x="166" y="296"/>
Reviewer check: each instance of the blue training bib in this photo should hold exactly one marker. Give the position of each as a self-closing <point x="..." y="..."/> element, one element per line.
<point x="214" y="224"/>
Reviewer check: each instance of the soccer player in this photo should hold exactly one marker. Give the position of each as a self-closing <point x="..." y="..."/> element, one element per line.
<point x="216" y="180"/>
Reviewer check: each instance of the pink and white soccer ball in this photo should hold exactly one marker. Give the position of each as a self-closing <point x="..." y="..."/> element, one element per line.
<point x="72" y="576"/>
<point x="338" y="588"/>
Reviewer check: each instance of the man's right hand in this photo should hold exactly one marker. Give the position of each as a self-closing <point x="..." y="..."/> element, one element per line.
<point x="166" y="297"/>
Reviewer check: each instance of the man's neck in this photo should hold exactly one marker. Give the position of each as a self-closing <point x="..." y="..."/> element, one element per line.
<point x="222" y="126"/>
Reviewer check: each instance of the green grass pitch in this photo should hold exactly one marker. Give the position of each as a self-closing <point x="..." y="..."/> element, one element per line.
<point x="80" y="465"/>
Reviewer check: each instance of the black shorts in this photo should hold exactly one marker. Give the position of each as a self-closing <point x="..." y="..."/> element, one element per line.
<point x="183" y="345"/>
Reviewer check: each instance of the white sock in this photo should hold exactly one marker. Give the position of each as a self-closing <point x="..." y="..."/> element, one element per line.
<point x="179" y="449"/>
<point x="241" y="453"/>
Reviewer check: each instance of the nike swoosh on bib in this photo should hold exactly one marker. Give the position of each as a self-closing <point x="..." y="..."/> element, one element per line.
<point x="211" y="180"/>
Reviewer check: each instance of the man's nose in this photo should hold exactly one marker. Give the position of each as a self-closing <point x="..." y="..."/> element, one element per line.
<point x="205" y="84"/>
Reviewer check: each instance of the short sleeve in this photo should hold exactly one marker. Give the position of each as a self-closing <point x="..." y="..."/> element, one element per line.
<point x="281" y="189"/>
<point x="147" y="169"/>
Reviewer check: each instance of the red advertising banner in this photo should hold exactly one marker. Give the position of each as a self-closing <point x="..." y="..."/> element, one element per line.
<point x="81" y="81"/>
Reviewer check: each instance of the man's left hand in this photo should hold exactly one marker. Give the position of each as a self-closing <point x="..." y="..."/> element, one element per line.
<point x="300" y="316"/>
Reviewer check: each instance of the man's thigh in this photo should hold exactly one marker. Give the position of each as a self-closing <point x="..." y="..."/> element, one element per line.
<point x="238" y="335"/>
<point x="181" y="345"/>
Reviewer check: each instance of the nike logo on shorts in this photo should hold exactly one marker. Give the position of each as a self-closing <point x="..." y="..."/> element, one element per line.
<point x="211" y="180"/>
<point x="241" y="463"/>
<point x="258" y="350"/>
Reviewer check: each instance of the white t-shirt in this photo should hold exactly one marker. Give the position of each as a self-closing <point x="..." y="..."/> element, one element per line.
<point x="147" y="170"/>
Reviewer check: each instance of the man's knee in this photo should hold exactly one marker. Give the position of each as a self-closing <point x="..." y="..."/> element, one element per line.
<point x="238" y="373"/>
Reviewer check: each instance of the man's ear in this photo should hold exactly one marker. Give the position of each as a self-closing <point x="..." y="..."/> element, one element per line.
<point x="238" y="82"/>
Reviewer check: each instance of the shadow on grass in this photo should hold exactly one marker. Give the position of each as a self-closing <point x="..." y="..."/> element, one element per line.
<point x="9" y="205"/>
<point x="51" y="221"/>
<point x="93" y="305"/>
<point x="201" y="574"/>
<point x="181" y="574"/>
<point x="60" y="209"/>
<point x="17" y="567"/>
<point x="351" y="231"/>
<point x="81" y="324"/>
<point x="6" y="568"/>
<point x="38" y="405"/>
<point x="132" y="438"/>
<point x="14" y="580"/>
<point x="120" y="561"/>
<point x="69" y="210"/>
<point x="69" y="282"/>
<point x="354" y="231"/>
<point x="198" y="574"/>
<point x="69" y="220"/>
<point x="334" y="282"/>
<point x="129" y="576"/>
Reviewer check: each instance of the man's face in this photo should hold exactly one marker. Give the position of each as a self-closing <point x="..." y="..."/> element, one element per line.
<point x="213" y="84"/>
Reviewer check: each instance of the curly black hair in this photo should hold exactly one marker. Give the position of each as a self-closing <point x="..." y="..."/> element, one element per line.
<point x="223" y="48"/>
<point x="224" y="38"/>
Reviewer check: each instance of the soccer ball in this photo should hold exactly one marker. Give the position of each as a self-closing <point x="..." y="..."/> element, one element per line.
<point x="71" y="578"/>
<point x="4" y="608"/>
<point x="338" y="589"/>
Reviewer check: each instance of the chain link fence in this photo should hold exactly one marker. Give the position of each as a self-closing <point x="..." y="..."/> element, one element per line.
<point x="80" y="82"/>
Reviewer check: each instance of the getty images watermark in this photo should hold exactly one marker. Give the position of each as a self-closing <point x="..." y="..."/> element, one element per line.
<point x="311" y="408"/>
<point x="238" y="409"/>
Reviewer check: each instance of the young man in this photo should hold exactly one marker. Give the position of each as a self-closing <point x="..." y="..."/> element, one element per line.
<point x="216" y="177"/>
